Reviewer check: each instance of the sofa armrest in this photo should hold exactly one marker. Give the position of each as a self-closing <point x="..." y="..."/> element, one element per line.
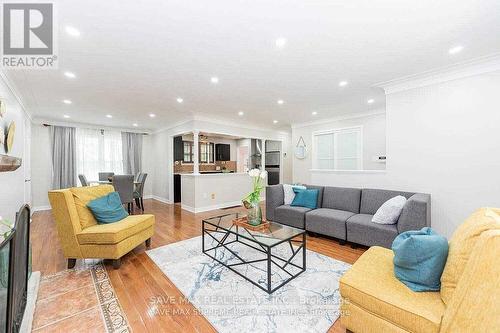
<point x="416" y="213"/>
<point x="275" y="197"/>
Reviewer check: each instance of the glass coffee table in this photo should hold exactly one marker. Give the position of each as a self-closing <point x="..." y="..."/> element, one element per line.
<point x="269" y="258"/>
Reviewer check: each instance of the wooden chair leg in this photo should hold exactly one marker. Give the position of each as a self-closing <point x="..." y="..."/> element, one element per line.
<point x="148" y="242"/>
<point x="142" y="204"/>
<point x="71" y="263"/>
<point x="117" y="263"/>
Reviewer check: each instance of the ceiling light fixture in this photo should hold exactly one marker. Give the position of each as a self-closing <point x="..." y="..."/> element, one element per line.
<point x="370" y="101"/>
<point x="70" y="75"/>
<point x="214" y="79"/>
<point x="67" y="101"/>
<point x="240" y="113"/>
<point x="109" y="116"/>
<point x="455" y="49"/>
<point x="66" y="116"/>
<point x="275" y="121"/>
<point x="72" y="31"/>
<point x="280" y="42"/>
<point x="281" y="102"/>
<point x="152" y="115"/>
<point x="314" y="113"/>
<point x="135" y="125"/>
<point x="342" y="83"/>
<point x="179" y="100"/>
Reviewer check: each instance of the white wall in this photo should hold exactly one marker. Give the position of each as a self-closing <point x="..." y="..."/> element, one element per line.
<point x="374" y="141"/>
<point x="443" y="139"/>
<point x="12" y="185"/>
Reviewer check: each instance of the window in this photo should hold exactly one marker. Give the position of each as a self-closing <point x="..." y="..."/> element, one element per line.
<point x="188" y="152"/>
<point x="339" y="149"/>
<point x="98" y="151"/>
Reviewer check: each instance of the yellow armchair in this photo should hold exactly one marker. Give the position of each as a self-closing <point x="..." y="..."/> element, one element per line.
<point x="373" y="300"/>
<point x="80" y="235"/>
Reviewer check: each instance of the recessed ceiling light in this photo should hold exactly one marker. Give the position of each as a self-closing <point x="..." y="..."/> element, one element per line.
<point x="67" y="101"/>
<point x="135" y="125"/>
<point x="66" y="116"/>
<point x="280" y="101"/>
<point x="455" y="49"/>
<point x="275" y="121"/>
<point x="179" y="100"/>
<point x="152" y="115"/>
<point x="240" y="113"/>
<point x="314" y="113"/>
<point x="342" y="83"/>
<point x="109" y="116"/>
<point x="370" y="101"/>
<point x="72" y="31"/>
<point x="214" y="79"/>
<point x="70" y="75"/>
<point x="280" y="42"/>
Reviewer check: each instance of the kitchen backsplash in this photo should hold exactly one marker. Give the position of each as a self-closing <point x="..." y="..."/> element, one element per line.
<point x="188" y="167"/>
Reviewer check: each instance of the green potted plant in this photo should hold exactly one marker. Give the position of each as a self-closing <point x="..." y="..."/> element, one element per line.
<point x="252" y="200"/>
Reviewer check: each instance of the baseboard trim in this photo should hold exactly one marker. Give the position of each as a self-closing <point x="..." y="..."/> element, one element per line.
<point x="40" y="208"/>
<point x="157" y="198"/>
<point x="209" y="208"/>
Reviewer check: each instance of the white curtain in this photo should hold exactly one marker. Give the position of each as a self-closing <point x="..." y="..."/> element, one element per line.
<point x="98" y="151"/>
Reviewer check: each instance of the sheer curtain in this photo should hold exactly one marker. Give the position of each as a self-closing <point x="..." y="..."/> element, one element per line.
<point x="98" y="151"/>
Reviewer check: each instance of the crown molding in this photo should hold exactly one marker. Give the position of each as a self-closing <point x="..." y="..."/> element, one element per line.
<point x="477" y="66"/>
<point x="339" y="118"/>
<point x="179" y="123"/>
<point x="254" y="127"/>
<point x="12" y="87"/>
<point x="43" y="121"/>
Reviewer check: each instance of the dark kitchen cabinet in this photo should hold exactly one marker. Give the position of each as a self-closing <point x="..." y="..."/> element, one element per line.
<point x="177" y="188"/>
<point x="222" y="152"/>
<point x="178" y="149"/>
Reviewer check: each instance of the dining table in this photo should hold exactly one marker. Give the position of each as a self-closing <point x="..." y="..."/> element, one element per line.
<point x="104" y="182"/>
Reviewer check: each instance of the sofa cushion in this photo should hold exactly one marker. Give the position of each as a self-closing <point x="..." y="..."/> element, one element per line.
<point x="342" y="198"/>
<point x="372" y="199"/>
<point x="320" y="194"/>
<point x="330" y="222"/>
<point x="361" y="230"/>
<point x="82" y="196"/>
<point x="371" y="285"/>
<point x="114" y="233"/>
<point x="461" y="245"/>
<point x="290" y="215"/>
<point x="107" y="209"/>
<point x="305" y="198"/>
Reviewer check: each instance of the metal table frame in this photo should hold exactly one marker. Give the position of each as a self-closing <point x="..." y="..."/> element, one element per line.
<point x="209" y="228"/>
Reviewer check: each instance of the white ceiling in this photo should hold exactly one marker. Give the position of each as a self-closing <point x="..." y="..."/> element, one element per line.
<point x="136" y="57"/>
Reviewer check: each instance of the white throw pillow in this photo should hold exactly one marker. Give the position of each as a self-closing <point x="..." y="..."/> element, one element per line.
<point x="389" y="212"/>
<point x="289" y="193"/>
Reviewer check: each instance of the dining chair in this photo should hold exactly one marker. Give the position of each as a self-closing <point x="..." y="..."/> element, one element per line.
<point x="124" y="185"/>
<point x="83" y="180"/>
<point x="104" y="176"/>
<point x="139" y="190"/>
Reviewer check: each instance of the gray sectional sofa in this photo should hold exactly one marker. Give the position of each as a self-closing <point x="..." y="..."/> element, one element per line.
<point x="346" y="214"/>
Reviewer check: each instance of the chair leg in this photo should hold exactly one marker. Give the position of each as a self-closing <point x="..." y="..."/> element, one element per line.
<point x="137" y="202"/>
<point x="148" y="242"/>
<point x="128" y="207"/>
<point x="117" y="263"/>
<point x="71" y="263"/>
<point x="342" y="241"/>
<point x="354" y="246"/>
<point x="142" y="204"/>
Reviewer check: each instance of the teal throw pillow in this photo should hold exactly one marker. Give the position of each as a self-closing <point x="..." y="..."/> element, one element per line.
<point x="419" y="259"/>
<point x="107" y="209"/>
<point x="305" y="198"/>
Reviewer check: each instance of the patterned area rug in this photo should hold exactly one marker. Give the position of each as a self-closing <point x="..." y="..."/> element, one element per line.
<point x="79" y="300"/>
<point x="309" y="303"/>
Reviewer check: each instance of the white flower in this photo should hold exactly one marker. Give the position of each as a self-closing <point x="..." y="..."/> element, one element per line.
<point x="263" y="174"/>
<point x="254" y="173"/>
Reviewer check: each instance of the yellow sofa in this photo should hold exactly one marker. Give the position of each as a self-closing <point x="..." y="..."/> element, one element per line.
<point x="80" y="235"/>
<point x="373" y="300"/>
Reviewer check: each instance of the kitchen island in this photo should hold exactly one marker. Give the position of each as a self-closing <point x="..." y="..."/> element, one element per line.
<point x="204" y="192"/>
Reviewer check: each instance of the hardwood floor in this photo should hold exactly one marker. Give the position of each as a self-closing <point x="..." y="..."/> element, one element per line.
<point x="139" y="281"/>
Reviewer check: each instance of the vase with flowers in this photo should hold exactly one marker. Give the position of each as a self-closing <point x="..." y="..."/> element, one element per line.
<point x="252" y="200"/>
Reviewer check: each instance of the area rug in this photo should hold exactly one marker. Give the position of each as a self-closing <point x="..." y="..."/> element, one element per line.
<point x="79" y="300"/>
<point x="308" y="303"/>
